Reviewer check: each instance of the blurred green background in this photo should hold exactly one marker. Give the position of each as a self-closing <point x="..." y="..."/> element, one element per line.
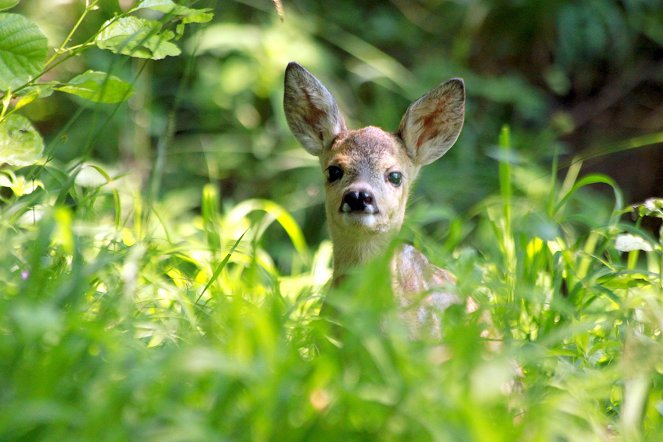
<point x="132" y="309"/>
<point x="570" y="78"/>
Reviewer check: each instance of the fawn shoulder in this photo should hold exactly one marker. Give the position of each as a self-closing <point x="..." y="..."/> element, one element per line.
<point x="369" y="173"/>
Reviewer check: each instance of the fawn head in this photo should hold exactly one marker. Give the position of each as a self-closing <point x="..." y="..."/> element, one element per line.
<point x="369" y="172"/>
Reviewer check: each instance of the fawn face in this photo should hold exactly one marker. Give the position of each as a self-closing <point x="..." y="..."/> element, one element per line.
<point x="368" y="175"/>
<point x="369" y="172"/>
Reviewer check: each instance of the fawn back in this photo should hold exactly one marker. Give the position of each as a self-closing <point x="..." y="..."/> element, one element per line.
<point x="369" y="173"/>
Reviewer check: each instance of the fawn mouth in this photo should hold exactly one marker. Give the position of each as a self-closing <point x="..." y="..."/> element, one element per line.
<point x="362" y="219"/>
<point x="368" y="210"/>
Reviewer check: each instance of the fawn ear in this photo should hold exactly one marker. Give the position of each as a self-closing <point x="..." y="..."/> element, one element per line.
<point x="310" y="109"/>
<point x="431" y="124"/>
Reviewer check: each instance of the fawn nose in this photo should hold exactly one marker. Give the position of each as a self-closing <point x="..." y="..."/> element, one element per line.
<point x="358" y="201"/>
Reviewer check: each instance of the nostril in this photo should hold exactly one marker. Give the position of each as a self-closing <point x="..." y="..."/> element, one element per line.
<point x="352" y="200"/>
<point x="356" y="201"/>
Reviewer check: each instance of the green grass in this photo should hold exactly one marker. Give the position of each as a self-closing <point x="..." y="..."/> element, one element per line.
<point x="125" y="320"/>
<point x="150" y="307"/>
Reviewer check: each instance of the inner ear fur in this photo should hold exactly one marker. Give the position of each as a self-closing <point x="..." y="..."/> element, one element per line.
<point x="432" y="123"/>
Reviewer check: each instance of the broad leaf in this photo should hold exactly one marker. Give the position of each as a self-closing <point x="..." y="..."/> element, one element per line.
<point x="7" y="4"/>
<point x="23" y="50"/>
<point x="137" y="37"/>
<point x="99" y="87"/>
<point x="20" y="143"/>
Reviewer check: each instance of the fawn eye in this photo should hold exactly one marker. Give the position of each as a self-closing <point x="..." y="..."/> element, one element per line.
<point x="334" y="173"/>
<point x="395" y="178"/>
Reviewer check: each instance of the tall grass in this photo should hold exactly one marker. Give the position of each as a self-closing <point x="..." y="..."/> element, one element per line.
<point x="125" y="320"/>
<point x="148" y="310"/>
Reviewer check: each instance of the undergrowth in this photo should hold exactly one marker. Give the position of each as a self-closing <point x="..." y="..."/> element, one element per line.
<point x="123" y="321"/>
<point x="128" y="312"/>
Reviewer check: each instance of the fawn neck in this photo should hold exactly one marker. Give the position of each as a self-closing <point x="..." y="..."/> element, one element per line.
<point x="351" y="251"/>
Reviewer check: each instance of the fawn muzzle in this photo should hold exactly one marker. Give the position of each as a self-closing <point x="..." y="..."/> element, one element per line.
<point x="358" y="201"/>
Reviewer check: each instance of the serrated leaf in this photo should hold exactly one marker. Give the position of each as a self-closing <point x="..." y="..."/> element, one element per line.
<point x="20" y="143"/>
<point x="99" y="87"/>
<point x="7" y="4"/>
<point x="23" y="50"/>
<point x="137" y="37"/>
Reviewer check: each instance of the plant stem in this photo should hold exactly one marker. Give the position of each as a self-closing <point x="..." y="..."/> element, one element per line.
<point x="61" y="49"/>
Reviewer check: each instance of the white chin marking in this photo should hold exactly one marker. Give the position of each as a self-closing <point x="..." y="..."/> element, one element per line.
<point x="366" y="220"/>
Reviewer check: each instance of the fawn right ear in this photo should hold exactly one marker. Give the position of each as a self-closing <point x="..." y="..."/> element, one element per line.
<point x="431" y="124"/>
<point x="310" y="109"/>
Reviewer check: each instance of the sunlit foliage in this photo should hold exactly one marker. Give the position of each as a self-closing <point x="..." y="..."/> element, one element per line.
<point x="164" y="262"/>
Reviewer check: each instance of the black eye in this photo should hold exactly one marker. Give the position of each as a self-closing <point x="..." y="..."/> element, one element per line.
<point x="395" y="178"/>
<point x="334" y="173"/>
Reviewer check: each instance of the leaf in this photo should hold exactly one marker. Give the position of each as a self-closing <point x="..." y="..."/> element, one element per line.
<point x="220" y="267"/>
<point x="20" y="143"/>
<point x="137" y="37"/>
<point x="164" y="6"/>
<point x="31" y="93"/>
<point x="651" y="207"/>
<point x="18" y="184"/>
<point x="189" y="15"/>
<point x="99" y="87"/>
<point x="7" y="4"/>
<point x="624" y="280"/>
<point x="200" y="16"/>
<point x="23" y="50"/>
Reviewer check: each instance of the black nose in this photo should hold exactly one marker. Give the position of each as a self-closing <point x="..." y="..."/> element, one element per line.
<point x="356" y="201"/>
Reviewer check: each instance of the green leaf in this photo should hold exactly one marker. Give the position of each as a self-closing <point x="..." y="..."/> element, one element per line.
<point x="31" y="93"/>
<point x="137" y="37"/>
<point x="220" y="267"/>
<point x="23" y="50"/>
<point x="164" y="6"/>
<point x="99" y="87"/>
<point x="189" y="15"/>
<point x="18" y="184"/>
<point x="200" y="16"/>
<point x="7" y="4"/>
<point x="20" y="143"/>
<point x="651" y="207"/>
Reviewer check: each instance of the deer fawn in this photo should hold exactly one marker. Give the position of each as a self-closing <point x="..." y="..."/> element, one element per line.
<point x="369" y="173"/>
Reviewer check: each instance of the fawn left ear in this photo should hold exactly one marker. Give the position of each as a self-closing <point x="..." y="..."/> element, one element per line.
<point x="431" y="124"/>
<point x="310" y="110"/>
